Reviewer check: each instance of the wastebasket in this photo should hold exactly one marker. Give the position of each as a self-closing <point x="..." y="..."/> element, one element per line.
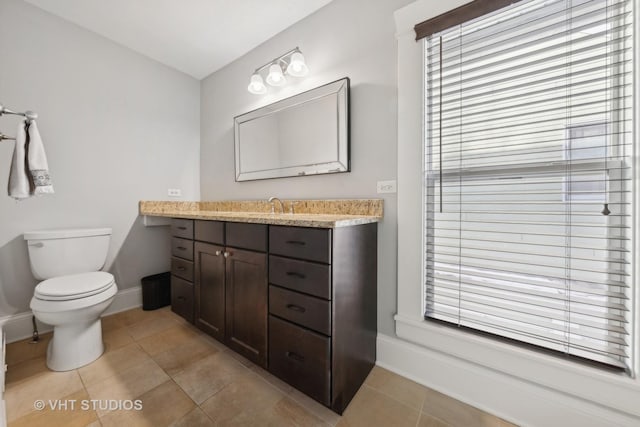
<point x="156" y="291"/>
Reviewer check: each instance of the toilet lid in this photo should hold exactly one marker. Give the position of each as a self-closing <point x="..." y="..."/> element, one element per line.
<point x="74" y="286"/>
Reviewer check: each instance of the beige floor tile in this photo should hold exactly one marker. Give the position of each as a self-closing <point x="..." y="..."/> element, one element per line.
<point x="289" y="413"/>
<point x="245" y="401"/>
<point x="71" y="414"/>
<point x="25" y="370"/>
<point x="128" y="384"/>
<point x="179" y="358"/>
<point x="210" y="375"/>
<point x="272" y="379"/>
<point x="115" y="338"/>
<point x="130" y="317"/>
<point x="402" y="389"/>
<point x="457" y="413"/>
<point x="96" y="423"/>
<point x="151" y="326"/>
<point x="20" y="397"/>
<point x="24" y="350"/>
<point x="315" y="407"/>
<point x="429" y="421"/>
<point x="113" y="362"/>
<point x="161" y="406"/>
<point x="246" y="362"/>
<point x="370" y="407"/>
<point x="168" y="339"/>
<point x="195" y="418"/>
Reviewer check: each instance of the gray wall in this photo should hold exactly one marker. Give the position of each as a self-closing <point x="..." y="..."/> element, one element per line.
<point x="117" y="127"/>
<point x="352" y="38"/>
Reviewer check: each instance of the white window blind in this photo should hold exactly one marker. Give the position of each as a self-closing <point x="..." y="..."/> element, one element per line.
<point x="528" y="175"/>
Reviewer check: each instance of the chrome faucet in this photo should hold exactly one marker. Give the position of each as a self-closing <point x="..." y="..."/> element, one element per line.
<point x="273" y="205"/>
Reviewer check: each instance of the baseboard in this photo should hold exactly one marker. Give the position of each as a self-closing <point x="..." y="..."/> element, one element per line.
<point x="18" y="326"/>
<point x="505" y="396"/>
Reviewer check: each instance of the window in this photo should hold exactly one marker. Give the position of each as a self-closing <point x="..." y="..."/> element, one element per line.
<point x="528" y="176"/>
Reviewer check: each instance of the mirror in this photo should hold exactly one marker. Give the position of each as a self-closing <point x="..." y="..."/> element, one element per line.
<point x="306" y="134"/>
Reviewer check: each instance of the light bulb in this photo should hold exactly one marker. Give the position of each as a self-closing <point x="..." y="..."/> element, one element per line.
<point x="275" y="77"/>
<point x="256" y="86"/>
<point x="297" y="67"/>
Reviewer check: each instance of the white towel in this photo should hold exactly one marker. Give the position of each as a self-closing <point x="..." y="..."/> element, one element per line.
<point x="29" y="169"/>
<point x="19" y="179"/>
<point x="37" y="161"/>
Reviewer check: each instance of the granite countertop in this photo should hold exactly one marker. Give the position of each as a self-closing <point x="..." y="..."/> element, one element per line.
<point x="309" y="213"/>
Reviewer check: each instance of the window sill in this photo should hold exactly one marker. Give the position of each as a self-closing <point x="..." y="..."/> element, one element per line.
<point x="613" y="390"/>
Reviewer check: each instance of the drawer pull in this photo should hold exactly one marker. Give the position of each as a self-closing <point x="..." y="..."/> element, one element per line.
<point x="296" y="242"/>
<point x="182" y="248"/>
<point x="181" y="268"/>
<point x="182" y="299"/>
<point x="296" y="308"/>
<point x="182" y="228"/>
<point x="296" y="274"/>
<point x="295" y="356"/>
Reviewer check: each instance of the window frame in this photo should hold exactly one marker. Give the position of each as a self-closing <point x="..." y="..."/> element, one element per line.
<point x="617" y="393"/>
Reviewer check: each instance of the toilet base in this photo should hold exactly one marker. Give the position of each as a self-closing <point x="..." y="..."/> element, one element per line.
<point x="75" y="345"/>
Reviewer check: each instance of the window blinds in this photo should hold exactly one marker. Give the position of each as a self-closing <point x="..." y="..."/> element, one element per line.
<point x="528" y="175"/>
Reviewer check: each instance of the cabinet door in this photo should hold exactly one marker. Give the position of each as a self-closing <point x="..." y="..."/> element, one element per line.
<point x="210" y="289"/>
<point x="246" y="304"/>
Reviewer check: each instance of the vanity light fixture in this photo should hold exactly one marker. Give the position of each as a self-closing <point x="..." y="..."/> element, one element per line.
<point x="291" y="63"/>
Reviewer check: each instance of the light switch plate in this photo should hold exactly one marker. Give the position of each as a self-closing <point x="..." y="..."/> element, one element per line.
<point x="174" y="192"/>
<point x="387" y="186"/>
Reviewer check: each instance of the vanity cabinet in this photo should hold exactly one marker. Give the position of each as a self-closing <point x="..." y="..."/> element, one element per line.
<point x="299" y="301"/>
<point x="322" y="309"/>
<point x="182" y="288"/>
<point x="229" y="282"/>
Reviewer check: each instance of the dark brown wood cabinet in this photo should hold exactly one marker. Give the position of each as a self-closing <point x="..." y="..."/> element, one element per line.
<point x="210" y="289"/>
<point x="246" y="304"/>
<point x="323" y="309"/>
<point x="298" y="301"/>
<point x="229" y="282"/>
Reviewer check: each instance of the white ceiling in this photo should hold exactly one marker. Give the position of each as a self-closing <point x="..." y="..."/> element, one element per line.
<point x="194" y="36"/>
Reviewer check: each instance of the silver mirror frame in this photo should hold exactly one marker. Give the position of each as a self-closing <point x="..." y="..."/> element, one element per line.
<point x="342" y="162"/>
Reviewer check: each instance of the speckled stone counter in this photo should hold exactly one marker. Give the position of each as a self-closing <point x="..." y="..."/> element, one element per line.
<point x="307" y="213"/>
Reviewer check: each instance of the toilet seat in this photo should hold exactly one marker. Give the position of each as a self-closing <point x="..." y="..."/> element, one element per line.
<point x="75" y="286"/>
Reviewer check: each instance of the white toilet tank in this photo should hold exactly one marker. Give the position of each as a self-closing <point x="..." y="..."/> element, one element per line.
<point x="54" y="253"/>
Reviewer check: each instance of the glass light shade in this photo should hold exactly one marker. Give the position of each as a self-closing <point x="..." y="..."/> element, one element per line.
<point x="297" y="67"/>
<point x="256" y="86"/>
<point x="276" y="77"/>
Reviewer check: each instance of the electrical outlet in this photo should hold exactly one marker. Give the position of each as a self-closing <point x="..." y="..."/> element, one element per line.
<point x="174" y="192"/>
<point x="387" y="186"/>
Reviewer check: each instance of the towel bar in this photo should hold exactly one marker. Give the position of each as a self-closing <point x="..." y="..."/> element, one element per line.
<point x="29" y="115"/>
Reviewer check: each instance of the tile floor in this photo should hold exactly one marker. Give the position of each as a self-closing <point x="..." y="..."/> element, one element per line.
<point x="184" y="378"/>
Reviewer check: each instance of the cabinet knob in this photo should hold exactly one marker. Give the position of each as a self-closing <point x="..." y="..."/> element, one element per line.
<point x="296" y="308"/>
<point x="226" y="254"/>
<point x="218" y="253"/>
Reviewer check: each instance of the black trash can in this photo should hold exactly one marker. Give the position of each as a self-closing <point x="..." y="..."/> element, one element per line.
<point x="156" y="291"/>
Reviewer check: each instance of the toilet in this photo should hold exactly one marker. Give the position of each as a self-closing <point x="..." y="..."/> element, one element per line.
<point x="73" y="292"/>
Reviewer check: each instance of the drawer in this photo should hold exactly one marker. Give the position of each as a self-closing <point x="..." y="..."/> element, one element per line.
<point x="182" y="298"/>
<point x="301" y="358"/>
<point x="182" y="268"/>
<point x="301" y="276"/>
<point x="209" y="231"/>
<point x="246" y="236"/>
<point x="313" y="244"/>
<point x="182" y="248"/>
<point x="182" y="228"/>
<point x="311" y="312"/>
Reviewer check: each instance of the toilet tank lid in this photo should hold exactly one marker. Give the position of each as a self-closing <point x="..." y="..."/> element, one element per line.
<point x="66" y="233"/>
